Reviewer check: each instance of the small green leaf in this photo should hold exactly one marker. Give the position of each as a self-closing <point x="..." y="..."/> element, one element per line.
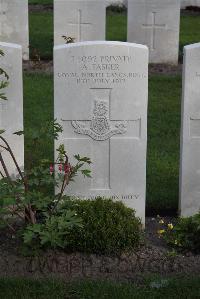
<point x="86" y="172"/>
<point x="19" y="133"/>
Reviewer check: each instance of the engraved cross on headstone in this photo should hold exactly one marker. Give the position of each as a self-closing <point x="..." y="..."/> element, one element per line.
<point x="153" y="26"/>
<point x="79" y="25"/>
<point x="102" y="129"/>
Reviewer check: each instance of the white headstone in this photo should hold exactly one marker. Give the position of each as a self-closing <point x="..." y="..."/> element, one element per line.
<point x="83" y="20"/>
<point x="155" y="23"/>
<point x="11" y="110"/>
<point x="14" y="24"/>
<point x="101" y="96"/>
<point x="190" y="133"/>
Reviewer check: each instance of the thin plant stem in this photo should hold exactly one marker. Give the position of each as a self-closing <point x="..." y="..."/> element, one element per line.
<point x="1" y="173"/>
<point x="5" y="168"/>
<point x="14" y="160"/>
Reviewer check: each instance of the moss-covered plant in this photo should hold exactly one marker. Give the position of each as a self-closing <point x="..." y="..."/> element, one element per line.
<point x="107" y="227"/>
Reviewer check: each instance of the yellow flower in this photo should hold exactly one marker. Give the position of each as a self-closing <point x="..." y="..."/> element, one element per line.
<point x="161" y="221"/>
<point x="161" y="231"/>
<point x="170" y="226"/>
<point x="176" y="242"/>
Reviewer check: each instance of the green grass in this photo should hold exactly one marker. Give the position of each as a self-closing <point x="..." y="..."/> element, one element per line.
<point x="163" y="142"/>
<point x="163" y="132"/>
<point x="38" y="107"/>
<point x="189" y="30"/>
<point x="184" y="288"/>
<point x="41" y="34"/>
<point x="38" y="99"/>
<point x="116" y="25"/>
<point x="41" y="30"/>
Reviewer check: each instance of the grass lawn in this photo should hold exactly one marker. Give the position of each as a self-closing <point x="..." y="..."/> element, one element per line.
<point x="41" y="34"/>
<point x="163" y="132"/>
<point x="41" y="30"/>
<point x="29" y="289"/>
<point x="38" y="108"/>
<point x="164" y="115"/>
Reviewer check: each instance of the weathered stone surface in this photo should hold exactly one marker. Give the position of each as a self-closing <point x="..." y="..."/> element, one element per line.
<point x="101" y="100"/>
<point x="155" y="23"/>
<point x="11" y="110"/>
<point x="190" y="133"/>
<point x="82" y="20"/>
<point x="14" y="24"/>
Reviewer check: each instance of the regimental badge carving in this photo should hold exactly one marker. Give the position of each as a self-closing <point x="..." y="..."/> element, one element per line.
<point x="100" y="127"/>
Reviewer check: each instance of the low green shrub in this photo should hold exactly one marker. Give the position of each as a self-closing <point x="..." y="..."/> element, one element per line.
<point x="185" y="234"/>
<point x="107" y="227"/>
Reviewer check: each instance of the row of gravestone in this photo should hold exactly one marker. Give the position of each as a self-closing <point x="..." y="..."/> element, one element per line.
<point x="154" y="23"/>
<point x="100" y="99"/>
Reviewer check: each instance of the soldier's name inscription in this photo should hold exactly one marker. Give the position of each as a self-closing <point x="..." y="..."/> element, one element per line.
<point x="101" y="70"/>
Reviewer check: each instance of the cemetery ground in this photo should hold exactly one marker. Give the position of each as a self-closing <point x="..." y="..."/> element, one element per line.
<point x="162" y="179"/>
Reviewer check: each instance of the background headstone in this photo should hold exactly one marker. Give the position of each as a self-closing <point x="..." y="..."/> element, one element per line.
<point x="190" y="135"/>
<point x="101" y="96"/>
<point x="14" y="24"/>
<point x="11" y="110"/>
<point x="155" y="23"/>
<point x="83" y="20"/>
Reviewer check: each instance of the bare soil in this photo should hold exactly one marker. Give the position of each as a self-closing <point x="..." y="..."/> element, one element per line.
<point x="38" y="67"/>
<point x="40" y="7"/>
